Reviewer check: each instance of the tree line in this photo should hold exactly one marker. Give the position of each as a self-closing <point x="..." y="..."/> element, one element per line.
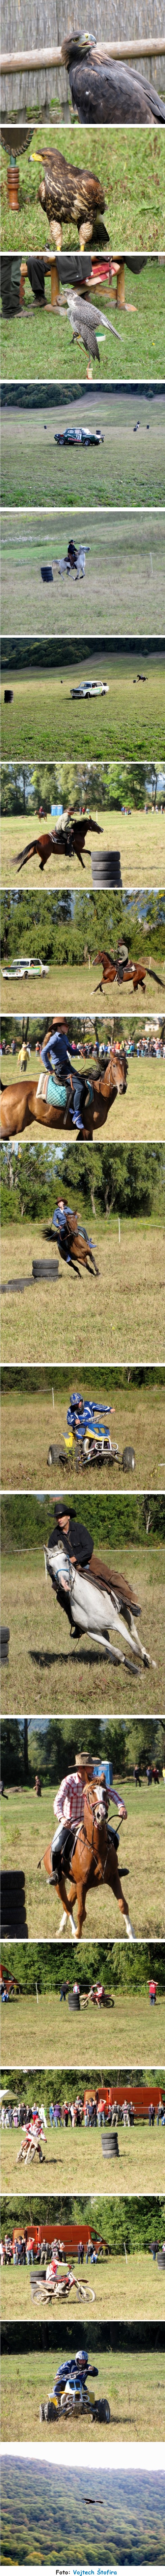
<point x="42" y="1964"/>
<point x="108" y="783"/>
<point x="66" y="929"/>
<point x="129" y="1179"/>
<point x="115" y="1521"/>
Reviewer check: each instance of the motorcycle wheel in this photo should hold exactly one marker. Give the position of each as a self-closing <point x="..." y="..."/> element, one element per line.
<point x="128" y="1458"/>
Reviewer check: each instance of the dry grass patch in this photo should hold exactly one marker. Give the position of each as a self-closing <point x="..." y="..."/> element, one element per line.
<point x="73" y="2162"/>
<point x="33" y="2032"/>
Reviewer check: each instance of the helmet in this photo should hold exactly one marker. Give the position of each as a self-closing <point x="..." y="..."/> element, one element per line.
<point x="81" y="2356"/>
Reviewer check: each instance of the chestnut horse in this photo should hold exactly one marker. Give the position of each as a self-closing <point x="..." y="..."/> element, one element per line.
<point x="68" y="838"/>
<point x="93" y="1862"/>
<point x="78" y="1245"/>
<point x="20" y="1102"/>
<point x="131" y="974"/>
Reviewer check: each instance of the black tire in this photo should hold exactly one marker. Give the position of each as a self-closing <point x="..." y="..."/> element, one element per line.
<point x="18" y="1285"/>
<point x="4" y="1644"/>
<point x="106" y="869"/>
<point x="106" y="2411"/>
<point x="45" y="1269"/>
<point x="109" y="2145"/>
<point x="128" y="1458"/>
<point x="42" y="2412"/>
<point x="47" y="2410"/>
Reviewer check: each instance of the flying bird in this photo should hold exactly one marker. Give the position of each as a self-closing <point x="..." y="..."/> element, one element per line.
<point x="108" y="93"/>
<point x="69" y="195"/>
<point x="84" y="318"/>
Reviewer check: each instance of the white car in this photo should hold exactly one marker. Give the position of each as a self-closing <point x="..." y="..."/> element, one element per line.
<point x="22" y="966"/>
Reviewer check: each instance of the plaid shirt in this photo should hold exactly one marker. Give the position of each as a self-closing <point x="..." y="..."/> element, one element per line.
<point x="70" y="1799"/>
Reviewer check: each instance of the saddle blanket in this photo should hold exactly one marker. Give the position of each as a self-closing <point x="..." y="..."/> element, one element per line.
<point x="48" y="1089"/>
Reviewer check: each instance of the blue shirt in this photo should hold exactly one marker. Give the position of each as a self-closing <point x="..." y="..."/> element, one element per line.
<point x="60" y="1215"/>
<point x="56" y="1052"/>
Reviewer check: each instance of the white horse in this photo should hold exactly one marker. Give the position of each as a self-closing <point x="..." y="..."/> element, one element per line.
<point x="96" y="1610"/>
<point x="61" y="564"/>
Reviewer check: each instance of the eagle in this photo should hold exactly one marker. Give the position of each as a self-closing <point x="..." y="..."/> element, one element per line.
<point x="108" y="93"/>
<point x="69" y="195"/>
<point x="84" y="318"/>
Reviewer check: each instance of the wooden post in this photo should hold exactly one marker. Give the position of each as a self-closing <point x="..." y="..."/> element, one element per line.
<point x="120" y="299"/>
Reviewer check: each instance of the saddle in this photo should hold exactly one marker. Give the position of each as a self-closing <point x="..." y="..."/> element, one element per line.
<point x="48" y="1087"/>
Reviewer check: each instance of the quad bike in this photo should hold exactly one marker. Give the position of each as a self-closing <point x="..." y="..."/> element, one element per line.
<point x="97" y="2407"/>
<point x="97" y="1445"/>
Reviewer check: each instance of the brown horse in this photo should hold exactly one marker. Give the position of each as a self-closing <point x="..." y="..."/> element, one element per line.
<point x="131" y="974"/>
<point x="78" y="1245"/>
<point x="94" y="1863"/>
<point x="68" y="839"/>
<point x="20" y="1102"/>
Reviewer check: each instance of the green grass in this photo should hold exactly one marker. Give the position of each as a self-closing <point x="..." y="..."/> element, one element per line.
<point x="27" y="1427"/>
<point x="129" y="2290"/>
<point x="141" y="838"/>
<point x="26" y="1830"/>
<point x="131" y="169"/>
<point x="34" y="344"/>
<point x="122" y="592"/>
<point x="134" y="2384"/>
<point x="120" y="472"/>
<point x="44" y="721"/>
<point x="33" y="2032"/>
<point x="75" y="2163"/>
<point x="136" y="1115"/>
<point x="86" y="1315"/>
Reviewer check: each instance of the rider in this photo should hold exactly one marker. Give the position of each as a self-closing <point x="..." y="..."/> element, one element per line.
<point x="56" y="1057"/>
<point x="122" y="959"/>
<point x="75" y="1538"/>
<point x="59" y="1221"/>
<point x="68" y="1805"/>
<point x="83" y="1414"/>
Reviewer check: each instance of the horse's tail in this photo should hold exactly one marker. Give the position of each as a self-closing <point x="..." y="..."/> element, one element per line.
<point x="47" y="1861"/>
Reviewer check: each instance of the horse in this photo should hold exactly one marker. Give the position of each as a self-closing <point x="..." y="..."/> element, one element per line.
<point x="100" y="1599"/>
<point x="68" y="839"/>
<point x="78" y="1245"/>
<point x="93" y="1863"/>
<point x="75" y="565"/>
<point x="129" y="973"/>
<point x="23" y="1101"/>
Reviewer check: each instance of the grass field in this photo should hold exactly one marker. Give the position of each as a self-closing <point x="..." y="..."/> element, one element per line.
<point x="137" y="1114"/>
<point x="75" y="978"/>
<point x="130" y="167"/>
<point x="87" y="1315"/>
<point x="41" y="722"/>
<point x="75" y="2162"/>
<point x="40" y="344"/>
<point x="128" y="2290"/>
<point x="32" y="2032"/>
<point x="141" y="838"/>
<point x="26" y="1431"/>
<point x="134" y="2384"/>
<point x="123" y="587"/>
<point x="25" y="1835"/>
<point x="115" y="474"/>
<point x="47" y="1671"/>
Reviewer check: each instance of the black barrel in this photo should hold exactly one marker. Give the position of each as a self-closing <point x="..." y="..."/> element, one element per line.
<point x="161" y="2262"/>
<point x="74" y="2003"/>
<point x="5" y="1633"/>
<point x="109" y="2143"/>
<point x="46" y="572"/>
<point x="106" y="869"/>
<point x="8" y="695"/>
<point x="13" y="1905"/>
<point x="45" y="1269"/>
